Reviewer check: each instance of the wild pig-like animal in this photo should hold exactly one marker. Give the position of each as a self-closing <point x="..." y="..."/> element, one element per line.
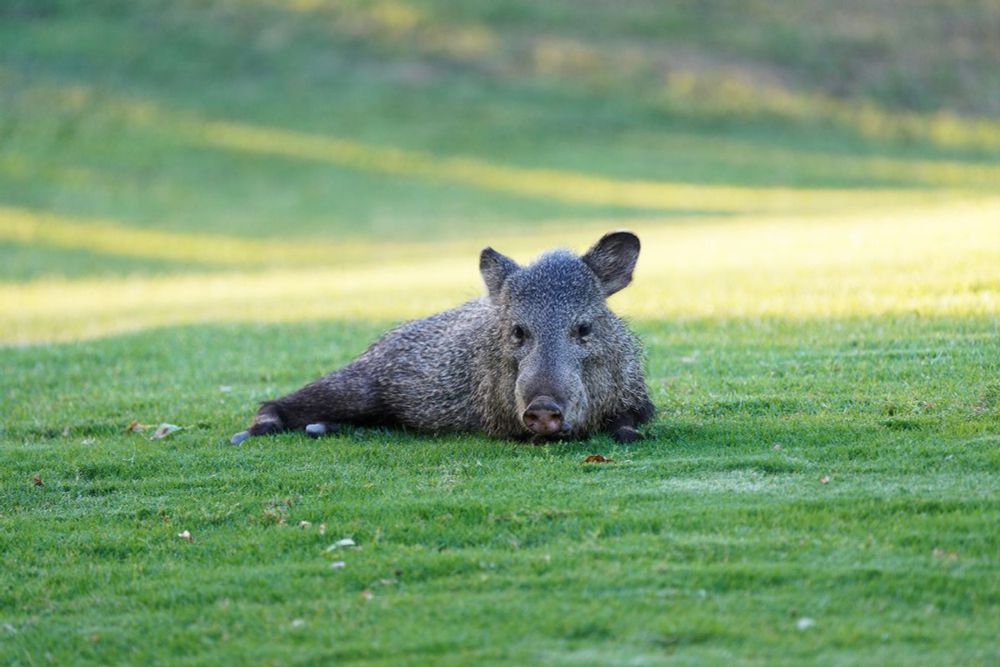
<point x="540" y="357"/>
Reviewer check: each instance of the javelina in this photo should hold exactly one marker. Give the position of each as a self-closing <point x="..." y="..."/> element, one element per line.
<point x="541" y="356"/>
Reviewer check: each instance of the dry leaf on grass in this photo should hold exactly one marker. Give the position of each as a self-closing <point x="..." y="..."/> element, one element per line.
<point x="597" y="458"/>
<point x="945" y="555"/>
<point x="135" y="427"/>
<point x="37" y="481"/>
<point x="342" y="544"/>
<point x="163" y="430"/>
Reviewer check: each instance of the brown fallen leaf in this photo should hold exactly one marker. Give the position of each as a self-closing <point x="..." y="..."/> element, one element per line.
<point x="134" y="427"/>
<point x="597" y="458"/>
<point x="945" y="555"/>
<point x="163" y="430"/>
<point x="37" y="481"/>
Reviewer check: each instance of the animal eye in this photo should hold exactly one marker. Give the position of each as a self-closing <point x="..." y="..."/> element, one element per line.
<point x="518" y="334"/>
<point x="583" y="330"/>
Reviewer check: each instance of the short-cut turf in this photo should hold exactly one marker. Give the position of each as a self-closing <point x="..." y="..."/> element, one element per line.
<point x="203" y="205"/>
<point x="838" y="471"/>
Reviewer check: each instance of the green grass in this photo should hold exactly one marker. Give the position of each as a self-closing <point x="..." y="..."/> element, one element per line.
<point x="706" y="541"/>
<point x="203" y="205"/>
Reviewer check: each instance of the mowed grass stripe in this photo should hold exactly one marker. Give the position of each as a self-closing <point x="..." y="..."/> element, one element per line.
<point x="560" y="185"/>
<point x="936" y="260"/>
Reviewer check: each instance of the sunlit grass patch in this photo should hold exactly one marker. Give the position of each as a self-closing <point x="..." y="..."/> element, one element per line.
<point x="725" y="94"/>
<point x="27" y="227"/>
<point x="544" y="183"/>
<point x="934" y="261"/>
<point x="558" y="185"/>
<point x="749" y="156"/>
<point x="711" y="82"/>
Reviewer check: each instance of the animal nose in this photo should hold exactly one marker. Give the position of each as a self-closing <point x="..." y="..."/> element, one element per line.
<point x="543" y="416"/>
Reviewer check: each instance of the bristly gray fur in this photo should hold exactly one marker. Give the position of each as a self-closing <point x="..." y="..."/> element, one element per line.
<point x="542" y="329"/>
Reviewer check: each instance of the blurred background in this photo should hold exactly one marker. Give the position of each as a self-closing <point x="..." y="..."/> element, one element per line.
<point x="168" y="162"/>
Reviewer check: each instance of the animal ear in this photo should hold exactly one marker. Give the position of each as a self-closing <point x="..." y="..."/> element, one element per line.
<point x="495" y="267"/>
<point x="613" y="260"/>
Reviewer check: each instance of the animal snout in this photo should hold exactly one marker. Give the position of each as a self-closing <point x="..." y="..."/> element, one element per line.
<point x="543" y="416"/>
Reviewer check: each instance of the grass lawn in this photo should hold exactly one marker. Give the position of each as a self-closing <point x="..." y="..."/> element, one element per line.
<point x="203" y="205"/>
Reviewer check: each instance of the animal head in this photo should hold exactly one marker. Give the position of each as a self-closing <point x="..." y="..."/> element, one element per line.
<point x="557" y="330"/>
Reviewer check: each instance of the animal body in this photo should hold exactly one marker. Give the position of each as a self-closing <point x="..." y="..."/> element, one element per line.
<point x="540" y="357"/>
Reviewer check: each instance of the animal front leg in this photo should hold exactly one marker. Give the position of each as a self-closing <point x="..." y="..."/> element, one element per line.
<point x="623" y="427"/>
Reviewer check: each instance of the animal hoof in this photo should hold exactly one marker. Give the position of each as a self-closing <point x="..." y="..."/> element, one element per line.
<point x="320" y="429"/>
<point x="626" y="434"/>
<point x="239" y="437"/>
